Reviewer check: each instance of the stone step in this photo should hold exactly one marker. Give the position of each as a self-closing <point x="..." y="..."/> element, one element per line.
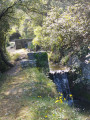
<point x="31" y="56"/>
<point x="26" y="63"/>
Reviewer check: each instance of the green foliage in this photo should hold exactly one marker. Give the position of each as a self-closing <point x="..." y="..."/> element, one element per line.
<point x="26" y="28"/>
<point x="15" y="36"/>
<point x="61" y="27"/>
<point x="32" y="47"/>
<point x="64" y="60"/>
<point x="7" y="12"/>
<point x="54" y="57"/>
<point x="37" y="32"/>
<point x="64" y="30"/>
<point x="15" y="56"/>
<point x="42" y="61"/>
<point x="83" y="51"/>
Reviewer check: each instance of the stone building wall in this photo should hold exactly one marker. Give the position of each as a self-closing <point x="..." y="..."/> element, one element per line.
<point x="22" y="43"/>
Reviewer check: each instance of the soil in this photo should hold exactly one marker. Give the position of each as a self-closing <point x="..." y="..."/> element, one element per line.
<point x="10" y="91"/>
<point x="23" y="55"/>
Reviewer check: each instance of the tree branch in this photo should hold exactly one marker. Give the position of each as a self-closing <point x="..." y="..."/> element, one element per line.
<point x="5" y="11"/>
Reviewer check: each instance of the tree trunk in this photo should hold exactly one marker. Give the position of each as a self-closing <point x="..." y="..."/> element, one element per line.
<point x="4" y="59"/>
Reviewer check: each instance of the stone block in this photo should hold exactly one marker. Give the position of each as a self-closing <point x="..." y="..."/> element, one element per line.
<point x="22" y="43"/>
<point x="27" y="63"/>
<point x="41" y="59"/>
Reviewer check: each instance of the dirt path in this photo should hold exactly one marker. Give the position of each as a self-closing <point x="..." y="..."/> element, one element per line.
<point x="12" y="50"/>
<point x="10" y="97"/>
<point x="18" y="101"/>
<point x="22" y="55"/>
<point x="10" y="91"/>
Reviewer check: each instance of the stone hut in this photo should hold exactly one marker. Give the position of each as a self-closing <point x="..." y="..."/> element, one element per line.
<point x="22" y="43"/>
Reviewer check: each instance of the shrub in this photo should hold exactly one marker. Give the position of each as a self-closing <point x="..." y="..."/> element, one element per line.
<point x="65" y="60"/>
<point x="54" y="57"/>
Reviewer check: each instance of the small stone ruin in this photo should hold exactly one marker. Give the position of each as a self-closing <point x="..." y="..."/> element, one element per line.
<point x="22" y="43"/>
<point x="36" y="59"/>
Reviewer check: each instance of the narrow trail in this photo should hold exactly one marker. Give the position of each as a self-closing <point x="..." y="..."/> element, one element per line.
<point x="27" y="94"/>
<point x="10" y="94"/>
<point x="11" y="90"/>
<point x="22" y="55"/>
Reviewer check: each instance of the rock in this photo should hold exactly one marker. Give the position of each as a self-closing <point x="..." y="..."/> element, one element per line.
<point x="86" y="70"/>
<point x="79" y="77"/>
<point x="22" y="43"/>
<point x="74" y="61"/>
<point x="85" y="66"/>
<point x="41" y="60"/>
<point x="31" y="56"/>
<point x="26" y="63"/>
<point x="70" y="102"/>
<point x="87" y="59"/>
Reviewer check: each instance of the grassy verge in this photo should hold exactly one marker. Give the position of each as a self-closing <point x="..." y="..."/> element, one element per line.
<point x="15" y="56"/>
<point x="30" y="95"/>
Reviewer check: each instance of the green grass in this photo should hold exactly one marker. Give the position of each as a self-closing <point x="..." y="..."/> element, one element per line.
<point x="64" y="60"/>
<point x="15" y="56"/>
<point x="30" y="95"/>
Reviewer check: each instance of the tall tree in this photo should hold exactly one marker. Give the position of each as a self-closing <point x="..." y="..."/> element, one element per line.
<point x="6" y="12"/>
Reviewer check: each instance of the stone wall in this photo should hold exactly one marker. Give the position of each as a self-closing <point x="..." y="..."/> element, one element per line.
<point x="22" y="43"/>
<point x="41" y="60"/>
<point x="79" y="76"/>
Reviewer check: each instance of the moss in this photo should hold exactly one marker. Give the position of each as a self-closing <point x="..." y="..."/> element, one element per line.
<point x="42" y="61"/>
